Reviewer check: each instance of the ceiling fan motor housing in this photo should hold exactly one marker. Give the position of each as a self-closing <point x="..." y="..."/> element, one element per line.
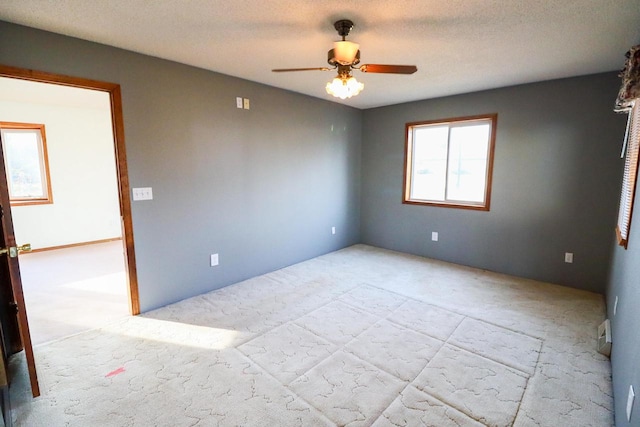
<point x="344" y="52"/>
<point x="331" y="59"/>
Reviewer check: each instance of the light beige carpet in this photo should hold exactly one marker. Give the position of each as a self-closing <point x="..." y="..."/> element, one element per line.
<point x="358" y="337"/>
<point x="75" y="289"/>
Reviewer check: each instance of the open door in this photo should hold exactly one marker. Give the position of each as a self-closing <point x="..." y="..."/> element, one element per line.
<point x="11" y="282"/>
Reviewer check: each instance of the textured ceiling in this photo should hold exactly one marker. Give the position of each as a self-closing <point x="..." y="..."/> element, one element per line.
<point x="458" y="45"/>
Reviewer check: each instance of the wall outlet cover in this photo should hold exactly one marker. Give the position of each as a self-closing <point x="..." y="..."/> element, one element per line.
<point x="214" y="260"/>
<point x="568" y="257"/>
<point x="247" y="104"/>
<point x="238" y="102"/>
<point x="434" y="236"/>
<point x="333" y="230"/>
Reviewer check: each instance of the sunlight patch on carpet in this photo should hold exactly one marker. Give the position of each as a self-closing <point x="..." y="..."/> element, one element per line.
<point x="182" y="334"/>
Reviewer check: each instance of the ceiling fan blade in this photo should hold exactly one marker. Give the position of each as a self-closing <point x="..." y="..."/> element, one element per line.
<point x="391" y="69"/>
<point x="283" y="70"/>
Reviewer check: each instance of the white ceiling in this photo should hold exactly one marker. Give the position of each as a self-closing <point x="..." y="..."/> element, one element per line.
<point x="458" y="45"/>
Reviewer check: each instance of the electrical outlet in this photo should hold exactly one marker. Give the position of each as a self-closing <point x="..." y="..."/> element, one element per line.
<point x="434" y="236"/>
<point x="333" y="230"/>
<point x="214" y="260"/>
<point x="238" y="102"/>
<point x="247" y="104"/>
<point x="615" y="306"/>
<point x="630" y="398"/>
<point x="568" y="257"/>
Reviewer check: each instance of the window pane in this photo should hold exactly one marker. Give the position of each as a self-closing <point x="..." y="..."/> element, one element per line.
<point x="22" y="157"/>
<point x="449" y="162"/>
<point x="468" y="148"/>
<point x="429" y="162"/>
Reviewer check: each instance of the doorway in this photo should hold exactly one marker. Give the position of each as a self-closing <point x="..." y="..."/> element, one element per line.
<point x="68" y="209"/>
<point x="123" y="239"/>
<point x="15" y="326"/>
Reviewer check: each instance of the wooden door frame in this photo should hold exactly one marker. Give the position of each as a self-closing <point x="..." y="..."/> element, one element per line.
<point x="117" y="122"/>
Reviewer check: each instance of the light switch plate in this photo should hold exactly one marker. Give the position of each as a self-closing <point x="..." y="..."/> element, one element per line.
<point x="238" y="102"/>
<point x="568" y="257"/>
<point x="247" y="104"/>
<point x="142" y="193"/>
<point x="434" y="236"/>
<point x="214" y="260"/>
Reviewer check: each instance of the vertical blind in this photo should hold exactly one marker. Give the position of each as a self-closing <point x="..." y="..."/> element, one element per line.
<point x="630" y="174"/>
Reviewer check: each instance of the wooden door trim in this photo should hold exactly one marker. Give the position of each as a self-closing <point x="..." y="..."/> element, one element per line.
<point x="117" y="120"/>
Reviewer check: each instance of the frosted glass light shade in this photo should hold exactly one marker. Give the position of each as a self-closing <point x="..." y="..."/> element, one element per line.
<point x="344" y="87"/>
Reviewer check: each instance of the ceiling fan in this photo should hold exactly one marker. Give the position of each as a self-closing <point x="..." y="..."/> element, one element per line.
<point x="345" y="57"/>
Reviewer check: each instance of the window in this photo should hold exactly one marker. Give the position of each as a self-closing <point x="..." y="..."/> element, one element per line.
<point x="449" y="162"/>
<point x="25" y="156"/>
<point x="629" y="178"/>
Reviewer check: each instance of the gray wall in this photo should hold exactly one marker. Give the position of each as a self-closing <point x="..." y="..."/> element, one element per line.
<point x="556" y="182"/>
<point x="625" y="325"/>
<point x="261" y="187"/>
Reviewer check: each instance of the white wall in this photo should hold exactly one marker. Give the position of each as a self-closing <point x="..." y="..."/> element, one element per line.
<point x="83" y="175"/>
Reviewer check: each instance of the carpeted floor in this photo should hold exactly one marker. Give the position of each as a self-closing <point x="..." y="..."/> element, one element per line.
<point x="362" y="336"/>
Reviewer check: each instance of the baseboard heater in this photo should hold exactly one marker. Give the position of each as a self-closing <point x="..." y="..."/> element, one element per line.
<point x="604" y="338"/>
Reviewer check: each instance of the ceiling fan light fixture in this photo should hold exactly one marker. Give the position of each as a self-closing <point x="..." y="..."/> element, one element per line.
<point x="344" y="87"/>
<point x="345" y="52"/>
<point x="345" y="57"/>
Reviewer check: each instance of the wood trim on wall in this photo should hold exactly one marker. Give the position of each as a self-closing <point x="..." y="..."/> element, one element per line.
<point x="117" y="120"/>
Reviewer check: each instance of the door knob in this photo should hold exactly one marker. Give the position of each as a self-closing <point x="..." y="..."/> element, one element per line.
<point x="13" y="250"/>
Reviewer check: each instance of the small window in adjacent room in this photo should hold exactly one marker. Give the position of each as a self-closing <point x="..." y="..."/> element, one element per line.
<point x="24" y="147"/>
<point x="630" y="176"/>
<point x="449" y="162"/>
